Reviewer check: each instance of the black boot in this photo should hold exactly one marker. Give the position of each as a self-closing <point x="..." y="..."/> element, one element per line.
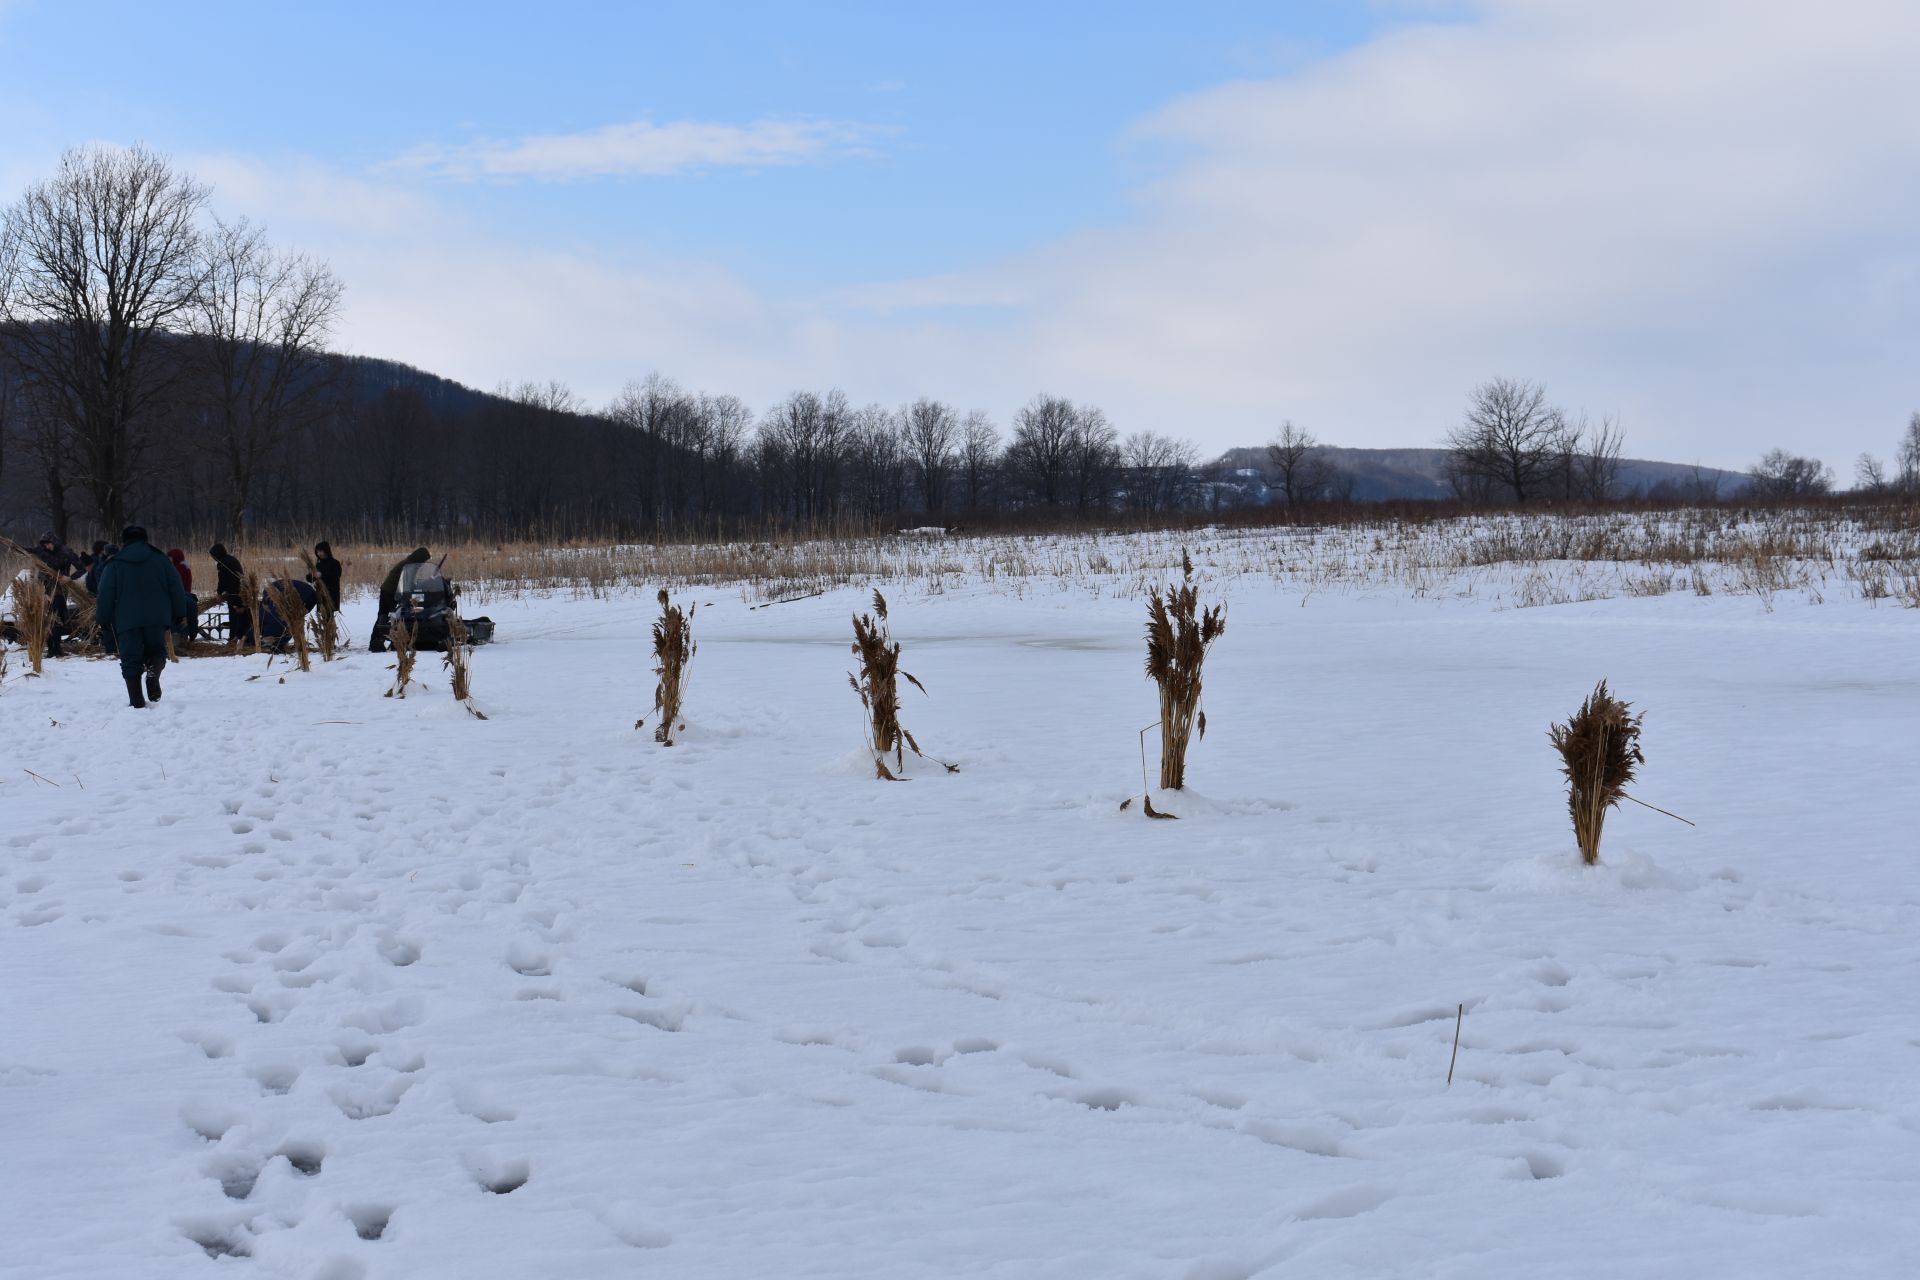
<point x="133" y="692"/>
<point x="153" y="686"/>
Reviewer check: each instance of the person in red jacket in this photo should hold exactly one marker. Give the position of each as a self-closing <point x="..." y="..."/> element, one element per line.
<point x="187" y="628"/>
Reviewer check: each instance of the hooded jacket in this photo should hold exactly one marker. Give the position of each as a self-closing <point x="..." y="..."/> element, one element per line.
<point x="390" y="585"/>
<point x="228" y="574"/>
<point x="140" y="588"/>
<point x="179" y="559"/>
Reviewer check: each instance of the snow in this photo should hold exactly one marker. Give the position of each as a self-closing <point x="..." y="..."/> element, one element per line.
<point x="338" y="987"/>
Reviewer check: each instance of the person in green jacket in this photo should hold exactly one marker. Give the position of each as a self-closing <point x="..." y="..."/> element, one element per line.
<point x="390" y="598"/>
<point x="141" y="597"/>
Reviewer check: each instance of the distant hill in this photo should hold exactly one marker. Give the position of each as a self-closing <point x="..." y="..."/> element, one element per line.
<point x="1382" y="474"/>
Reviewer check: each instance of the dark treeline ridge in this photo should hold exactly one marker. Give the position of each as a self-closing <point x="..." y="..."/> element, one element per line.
<point x="157" y="362"/>
<point x="381" y="452"/>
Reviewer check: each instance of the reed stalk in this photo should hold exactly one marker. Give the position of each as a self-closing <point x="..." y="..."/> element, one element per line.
<point x="1599" y="748"/>
<point x="1179" y="633"/>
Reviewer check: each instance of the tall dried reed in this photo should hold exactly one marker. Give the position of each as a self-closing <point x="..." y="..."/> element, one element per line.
<point x="32" y="619"/>
<point x="1599" y="749"/>
<point x="878" y="687"/>
<point x="400" y="640"/>
<point x="324" y="623"/>
<point x="1179" y="633"/>
<point x="458" y="662"/>
<point x="673" y="649"/>
<point x="250" y="604"/>
<point x="286" y="603"/>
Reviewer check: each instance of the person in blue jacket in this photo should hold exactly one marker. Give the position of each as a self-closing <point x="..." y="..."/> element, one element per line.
<point x="140" y="598"/>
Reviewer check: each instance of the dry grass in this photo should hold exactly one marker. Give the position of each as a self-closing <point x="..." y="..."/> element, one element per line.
<point x="673" y="649"/>
<point x="1542" y="557"/>
<point x="32" y="619"/>
<point x="323" y="622"/>
<point x="250" y="605"/>
<point x="1179" y="633"/>
<point x="400" y="640"/>
<point x="286" y="603"/>
<point x="458" y="660"/>
<point x="879" y="690"/>
<point x="1599" y="750"/>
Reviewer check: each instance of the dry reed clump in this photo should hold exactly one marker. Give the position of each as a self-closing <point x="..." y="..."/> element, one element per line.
<point x="878" y="687"/>
<point x="32" y="619"/>
<point x="1599" y="749"/>
<point x="673" y="649"/>
<point x="458" y="660"/>
<point x="400" y="640"/>
<point x="250" y="602"/>
<point x="325" y="625"/>
<point x="1179" y="633"/>
<point x="286" y="603"/>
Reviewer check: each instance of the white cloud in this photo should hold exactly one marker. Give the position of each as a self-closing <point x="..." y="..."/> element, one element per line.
<point x="1696" y="215"/>
<point x="642" y="148"/>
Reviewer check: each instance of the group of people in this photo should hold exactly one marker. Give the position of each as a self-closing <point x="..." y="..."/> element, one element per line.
<point x="140" y="595"/>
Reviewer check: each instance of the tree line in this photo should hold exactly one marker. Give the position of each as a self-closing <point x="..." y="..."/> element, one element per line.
<point x="157" y="361"/>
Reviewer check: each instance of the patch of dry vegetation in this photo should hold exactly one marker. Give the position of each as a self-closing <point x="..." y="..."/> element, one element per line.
<point x="400" y="640"/>
<point x="879" y="690"/>
<point x="673" y="649"/>
<point x="1513" y="559"/>
<point x="1599" y="748"/>
<point x="1179" y="633"/>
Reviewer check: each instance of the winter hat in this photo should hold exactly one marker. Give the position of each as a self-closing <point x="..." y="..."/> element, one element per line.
<point x="132" y="533"/>
<point x="176" y="555"/>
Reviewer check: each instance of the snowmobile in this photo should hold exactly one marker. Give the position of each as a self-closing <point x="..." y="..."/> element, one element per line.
<point x="427" y="602"/>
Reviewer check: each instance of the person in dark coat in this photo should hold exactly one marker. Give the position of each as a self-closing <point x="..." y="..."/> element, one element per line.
<point x="390" y="598"/>
<point x="140" y="597"/>
<point x="93" y="562"/>
<point x="58" y="567"/>
<point x="327" y="569"/>
<point x="230" y="584"/>
<point x="273" y="629"/>
<point x="101" y="558"/>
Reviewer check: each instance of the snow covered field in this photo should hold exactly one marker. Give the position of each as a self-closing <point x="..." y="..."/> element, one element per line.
<point x="300" y="982"/>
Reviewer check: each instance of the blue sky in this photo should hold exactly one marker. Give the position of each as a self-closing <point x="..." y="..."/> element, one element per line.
<point x="993" y="126"/>
<point x="1205" y="217"/>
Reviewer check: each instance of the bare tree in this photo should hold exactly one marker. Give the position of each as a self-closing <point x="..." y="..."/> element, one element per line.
<point x="1909" y="457"/>
<point x="1780" y="474"/>
<point x="979" y="452"/>
<point x="876" y="462"/>
<point x="553" y="395"/>
<point x="1509" y="441"/>
<point x="102" y="259"/>
<point x="264" y="318"/>
<point x="1042" y="452"/>
<point x="1596" y="464"/>
<point x="1298" y="464"/>
<point x="1869" y="475"/>
<point x="805" y="436"/>
<point x="1159" y="470"/>
<point x="929" y="431"/>
<point x="1095" y="458"/>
